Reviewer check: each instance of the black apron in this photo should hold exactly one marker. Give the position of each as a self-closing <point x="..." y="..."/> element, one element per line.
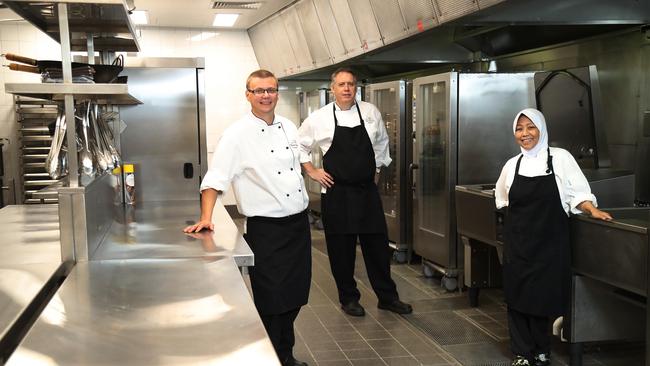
<point x="352" y="205"/>
<point x="536" y="268"/>
<point x="281" y="276"/>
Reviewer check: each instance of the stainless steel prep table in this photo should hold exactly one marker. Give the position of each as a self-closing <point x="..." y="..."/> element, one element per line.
<point x="30" y="266"/>
<point x="29" y="234"/>
<point x="154" y="230"/>
<point x="149" y="312"/>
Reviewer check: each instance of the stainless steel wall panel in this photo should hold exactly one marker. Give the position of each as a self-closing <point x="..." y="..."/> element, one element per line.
<point x="487" y="105"/>
<point x="366" y="23"/>
<point x="282" y="46"/>
<point x="389" y="19"/>
<point x="482" y="4"/>
<point x="259" y="40"/>
<point x="330" y="30"/>
<point x="416" y="12"/>
<point x="452" y="9"/>
<point x="297" y="39"/>
<point x="162" y="134"/>
<point x="346" y="27"/>
<point x="313" y="33"/>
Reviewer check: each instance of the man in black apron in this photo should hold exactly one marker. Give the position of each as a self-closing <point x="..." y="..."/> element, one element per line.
<point x="536" y="261"/>
<point x="351" y="207"/>
<point x="259" y="156"/>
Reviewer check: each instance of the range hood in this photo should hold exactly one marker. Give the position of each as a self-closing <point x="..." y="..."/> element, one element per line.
<point x="310" y="38"/>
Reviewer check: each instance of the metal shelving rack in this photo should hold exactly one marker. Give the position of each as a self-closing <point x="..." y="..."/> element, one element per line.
<point x="99" y="25"/>
<point x="95" y="25"/>
<point x="34" y="116"/>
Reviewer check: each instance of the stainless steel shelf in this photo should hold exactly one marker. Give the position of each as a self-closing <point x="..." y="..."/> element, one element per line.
<point x="108" y="20"/>
<point x="102" y="93"/>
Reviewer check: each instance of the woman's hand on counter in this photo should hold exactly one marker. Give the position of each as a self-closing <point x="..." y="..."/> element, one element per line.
<point x="589" y="208"/>
<point x="202" y="224"/>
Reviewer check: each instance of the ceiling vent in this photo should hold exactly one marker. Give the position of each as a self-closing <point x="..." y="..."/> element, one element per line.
<point x="236" y="5"/>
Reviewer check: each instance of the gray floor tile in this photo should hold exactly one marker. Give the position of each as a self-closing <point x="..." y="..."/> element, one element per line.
<point x="346" y="336"/>
<point x="335" y="363"/>
<point x="360" y="354"/>
<point x="401" y="361"/>
<point x="368" y="362"/>
<point x="328" y="356"/>
<point x="353" y="345"/>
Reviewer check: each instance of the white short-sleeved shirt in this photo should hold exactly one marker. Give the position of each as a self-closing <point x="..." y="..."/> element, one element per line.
<point x="571" y="182"/>
<point x="318" y="130"/>
<point x="263" y="164"/>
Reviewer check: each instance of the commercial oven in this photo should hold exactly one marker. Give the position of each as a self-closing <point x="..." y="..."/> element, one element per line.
<point x="393" y="101"/>
<point x="462" y="136"/>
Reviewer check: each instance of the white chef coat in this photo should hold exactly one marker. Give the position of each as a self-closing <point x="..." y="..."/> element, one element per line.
<point x="262" y="163"/>
<point x="318" y="129"/>
<point x="571" y="182"/>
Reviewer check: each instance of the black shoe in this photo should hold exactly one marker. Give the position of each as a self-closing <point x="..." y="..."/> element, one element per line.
<point x="293" y="362"/>
<point x="396" y="306"/>
<point x="353" y="308"/>
<point x="542" y="359"/>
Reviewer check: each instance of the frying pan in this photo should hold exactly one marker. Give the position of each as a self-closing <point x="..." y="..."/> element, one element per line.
<point x="103" y="73"/>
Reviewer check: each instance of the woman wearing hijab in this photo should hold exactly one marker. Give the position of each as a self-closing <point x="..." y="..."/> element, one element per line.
<point x="540" y="187"/>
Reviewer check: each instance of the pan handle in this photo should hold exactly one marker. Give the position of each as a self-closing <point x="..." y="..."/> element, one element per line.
<point x="25" y="68"/>
<point x="119" y="60"/>
<point x="21" y="59"/>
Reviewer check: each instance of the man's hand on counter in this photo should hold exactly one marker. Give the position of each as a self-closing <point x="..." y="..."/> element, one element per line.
<point x="202" y="224"/>
<point x="208" y="200"/>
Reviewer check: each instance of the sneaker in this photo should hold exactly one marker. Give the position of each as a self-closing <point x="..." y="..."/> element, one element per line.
<point x="542" y="359"/>
<point x="520" y="361"/>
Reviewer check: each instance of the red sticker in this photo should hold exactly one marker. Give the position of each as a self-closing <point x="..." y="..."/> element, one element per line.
<point x="420" y="25"/>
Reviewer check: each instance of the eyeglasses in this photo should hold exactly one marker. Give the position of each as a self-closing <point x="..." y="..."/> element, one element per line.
<point x="260" y="91"/>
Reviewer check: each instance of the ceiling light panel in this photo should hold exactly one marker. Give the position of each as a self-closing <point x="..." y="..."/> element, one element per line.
<point x="225" y="20"/>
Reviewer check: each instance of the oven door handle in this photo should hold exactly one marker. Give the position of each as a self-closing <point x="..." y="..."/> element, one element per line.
<point x="412" y="168"/>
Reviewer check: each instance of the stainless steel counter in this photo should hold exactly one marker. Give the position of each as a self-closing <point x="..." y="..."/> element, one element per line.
<point x="30" y="266"/>
<point x="29" y="234"/>
<point x="154" y="230"/>
<point x="150" y="295"/>
<point x="149" y="312"/>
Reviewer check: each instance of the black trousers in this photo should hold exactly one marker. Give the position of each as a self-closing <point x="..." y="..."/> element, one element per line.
<point x="280" y="329"/>
<point x="341" y="249"/>
<point x="529" y="334"/>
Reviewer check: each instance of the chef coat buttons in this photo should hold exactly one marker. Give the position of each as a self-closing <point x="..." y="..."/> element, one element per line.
<point x="278" y="172"/>
<point x="300" y="190"/>
<point x="291" y="169"/>
<point x="280" y="127"/>
<point x="287" y="147"/>
<point x="271" y="150"/>
<point x="287" y="194"/>
<point x="262" y="130"/>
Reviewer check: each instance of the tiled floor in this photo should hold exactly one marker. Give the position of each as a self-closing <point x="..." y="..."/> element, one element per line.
<point x="443" y="329"/>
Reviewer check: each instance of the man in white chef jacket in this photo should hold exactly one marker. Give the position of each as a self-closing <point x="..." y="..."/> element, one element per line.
<point x="260" y="157"/>
<point x="353" y="138"/>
